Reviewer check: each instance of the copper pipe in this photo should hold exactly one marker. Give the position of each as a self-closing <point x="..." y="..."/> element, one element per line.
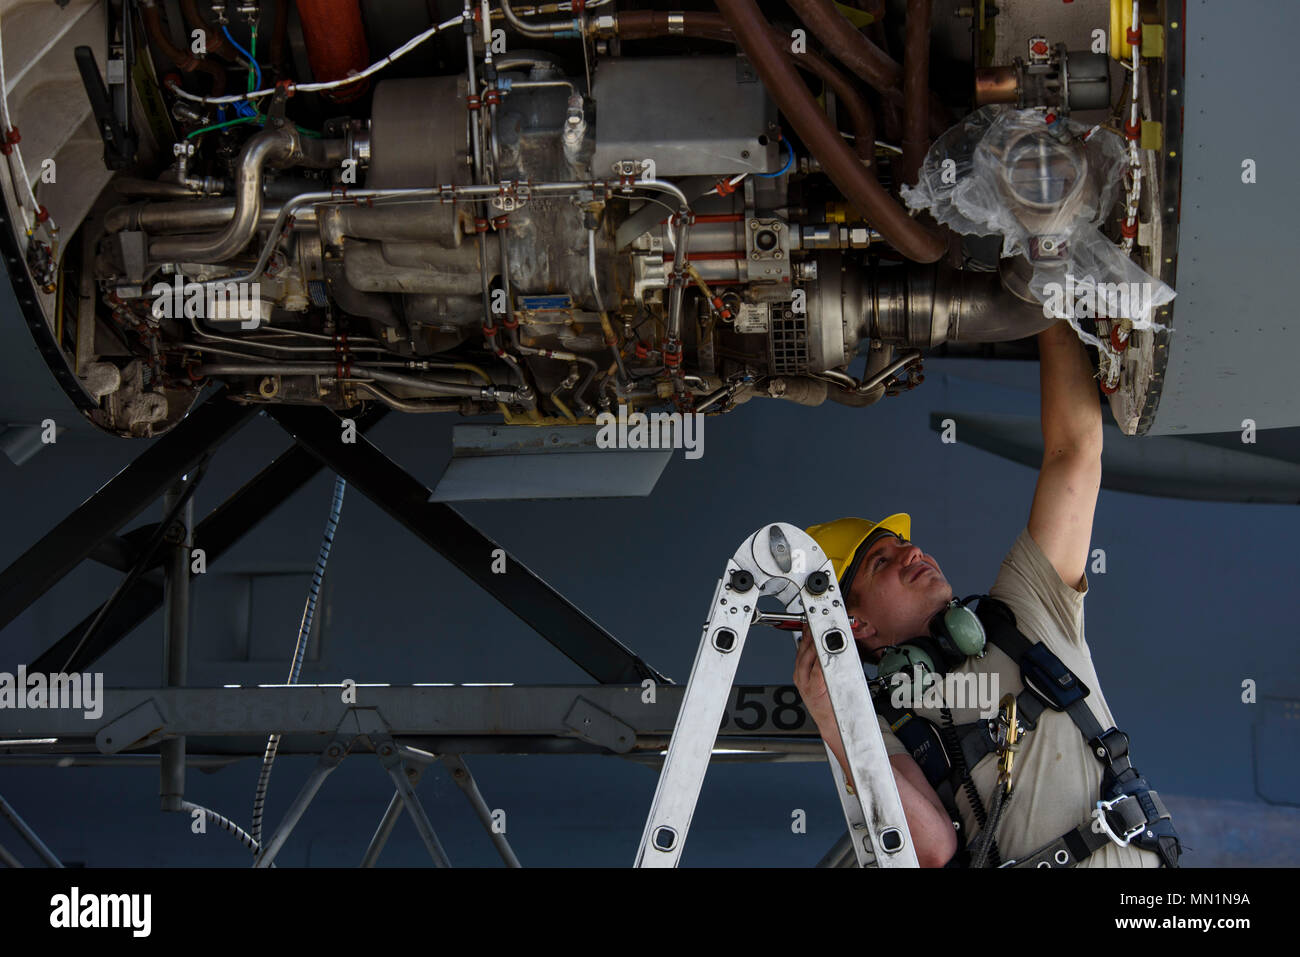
<point x="845" y="170"/>
<point x="891" y="110"/>
<point x="868" y="60"/>
<point x="860" y="115"/>
<point x="916" y="89"/>
<point x="996" y="84"/>
<point x="336" y="43"/>
<point x="213" y="38"/>
<point x="644" y="24"/>
<point x="279" y="36"/>
<point x="849" y="46"/>
<point x="184" y="61"/>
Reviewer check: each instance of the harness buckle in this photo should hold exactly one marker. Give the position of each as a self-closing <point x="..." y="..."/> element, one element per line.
<point x="1099" y="815"/>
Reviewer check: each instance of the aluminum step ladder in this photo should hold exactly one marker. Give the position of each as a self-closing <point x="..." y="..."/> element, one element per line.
<point x="783" y="561"/>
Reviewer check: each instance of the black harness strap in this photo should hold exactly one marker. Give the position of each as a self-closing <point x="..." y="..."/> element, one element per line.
<point x="921" y="739"/>
<point x="1137" y="810"/>
<point x="1133" y="812"/>
<point x="923" y="742"/>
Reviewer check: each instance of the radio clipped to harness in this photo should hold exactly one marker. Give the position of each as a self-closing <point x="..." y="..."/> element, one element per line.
<point x="1046" y="675"/>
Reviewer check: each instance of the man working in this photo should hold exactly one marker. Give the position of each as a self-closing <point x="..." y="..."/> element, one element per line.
<point x="1070" y="754"/>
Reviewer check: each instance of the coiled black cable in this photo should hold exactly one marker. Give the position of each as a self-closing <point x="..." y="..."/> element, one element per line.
<point x="952" y="744"/>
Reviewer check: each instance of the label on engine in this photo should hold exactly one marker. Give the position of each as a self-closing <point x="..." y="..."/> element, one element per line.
<point x="545" y="303"/>
<point x="753" y="317"/>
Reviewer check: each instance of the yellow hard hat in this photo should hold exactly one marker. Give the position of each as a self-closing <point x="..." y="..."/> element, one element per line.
<point x="845" y="541"/>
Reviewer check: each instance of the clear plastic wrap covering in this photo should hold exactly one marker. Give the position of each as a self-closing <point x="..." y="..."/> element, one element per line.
<point x="1045" y="187"/>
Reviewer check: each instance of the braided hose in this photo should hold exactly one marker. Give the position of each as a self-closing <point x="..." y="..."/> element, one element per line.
<point x="300" y="651"/>
<point x="225" y="824"/>
<point x="987" y="838"/>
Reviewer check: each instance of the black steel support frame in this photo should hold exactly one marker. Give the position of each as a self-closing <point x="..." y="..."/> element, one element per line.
<point x="124" y="497"/>
<point x="438" y="525"/>
<point x="216" y="534"/>
<point x="91" y="532"/>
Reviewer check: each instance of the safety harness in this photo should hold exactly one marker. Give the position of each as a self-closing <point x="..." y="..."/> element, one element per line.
<point x="1128" y="811"/>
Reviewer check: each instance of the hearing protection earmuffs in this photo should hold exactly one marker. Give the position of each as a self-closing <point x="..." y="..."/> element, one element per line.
<point x="956" y="634"/>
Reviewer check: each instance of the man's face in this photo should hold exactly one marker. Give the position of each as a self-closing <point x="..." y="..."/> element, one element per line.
<point x="898" y="589"/>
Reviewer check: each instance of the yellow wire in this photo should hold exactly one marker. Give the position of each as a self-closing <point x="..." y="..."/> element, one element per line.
<point x="564" y="408"/>
<point x="1121" y="19"/>
<point x="58" y="309"/>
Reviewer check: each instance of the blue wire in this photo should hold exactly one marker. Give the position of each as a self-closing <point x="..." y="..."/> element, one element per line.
<point x="244" y="108"/>
<point x="789" y="161"/>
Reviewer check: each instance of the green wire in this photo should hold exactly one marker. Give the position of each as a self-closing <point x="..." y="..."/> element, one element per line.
<point x="259" y="118"/>
<point x="219" y="126"/>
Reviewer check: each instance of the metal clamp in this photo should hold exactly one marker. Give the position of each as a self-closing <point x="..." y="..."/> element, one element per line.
<point x="1105" y="806"/>
<point x="1008" y="733"/>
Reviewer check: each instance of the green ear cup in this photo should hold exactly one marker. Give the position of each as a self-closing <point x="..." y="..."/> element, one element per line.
<point x="966" y="630"/>
<point x="904" y="658"/>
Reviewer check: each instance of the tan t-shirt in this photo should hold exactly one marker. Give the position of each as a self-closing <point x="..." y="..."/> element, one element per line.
<point x="1055" y="777"/>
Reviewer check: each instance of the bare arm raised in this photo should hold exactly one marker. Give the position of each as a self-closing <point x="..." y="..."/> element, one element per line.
<point x="1065" y="499"/>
